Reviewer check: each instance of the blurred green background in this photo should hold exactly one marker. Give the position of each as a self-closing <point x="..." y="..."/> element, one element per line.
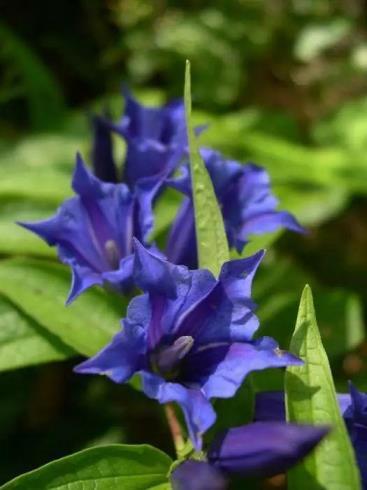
<point x="282" y="83"/>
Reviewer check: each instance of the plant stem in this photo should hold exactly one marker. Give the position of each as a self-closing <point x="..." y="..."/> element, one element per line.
<point x="174" y="427"/>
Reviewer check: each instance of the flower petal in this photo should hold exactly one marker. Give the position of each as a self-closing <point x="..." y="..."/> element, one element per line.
<point x="121" y="358"/>
<point x="181" y="241"/>
<point x="226" y="313"/>
<point x="197" y="475"/>
<point x="156" y="138"/>
<point x="270" y="405"/>
<point x="264" y="448"/>
<point x="104" y="166"/>
<point x="198" y="412"/>
<point x="221" y="369"/>
<point x="152" y="273"/>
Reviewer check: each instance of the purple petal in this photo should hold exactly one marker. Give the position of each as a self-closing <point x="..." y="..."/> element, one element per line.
<point x="198" y="412"/>
<point x="264" y="448"/>
<point x="102" y="153"/>
<point x="245" y="198"/>
<point x="269" y="222"/>
<point x="221" y="369"/>
<point x="121" y="358"/>
<point x="156" y="138"/>
<point x="152" y="273"/>
<point x="197" y="475"/>
<point x="226" y="313"/>
<point x="146" y="191"/>
<point x="270" y="405"/>
<point x="82" y="277"/>
<point x="174" y="292"/>
<point x="181" y="248"/>
<point x="357" y="411"/>
<point x="70" y="230"/>
<point x="122" y="278"/>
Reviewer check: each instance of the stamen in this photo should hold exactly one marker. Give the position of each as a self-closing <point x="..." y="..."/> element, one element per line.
<point x="168" y="358"/>
<point x="112" y="253"/>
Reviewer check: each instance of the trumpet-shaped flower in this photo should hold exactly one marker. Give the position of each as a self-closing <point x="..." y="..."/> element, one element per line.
<point x="190" y="336"/>
<point x="245" y="198"/>
<point x="260" y="449"/>
<point x="94" y="230"/>
<point x="155" y="141"/>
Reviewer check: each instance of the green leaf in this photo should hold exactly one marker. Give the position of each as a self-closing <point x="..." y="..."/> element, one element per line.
<point x="100" y="468"/>
<point x="14" y="239"/>
<point x="40" y="289"/>
<point x="23" y="342"/>
<point x="210" y="233"/>
<point x="42" y="185"/>
<point x="40" y="87"/>
<point x="311" y="398"/>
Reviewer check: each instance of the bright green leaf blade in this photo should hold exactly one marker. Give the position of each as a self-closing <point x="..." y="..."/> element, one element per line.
<point x="210" y="233"/>
<point x="23" y="342"/>
<point x="44" y="185"/>
<point x="14" y="239"/>
<point x="311" y="398"/>
<point x="100" y="468"/>
<point x="40" y="289"/>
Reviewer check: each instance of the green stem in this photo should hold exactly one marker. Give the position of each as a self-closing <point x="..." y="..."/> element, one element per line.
<point x="175" y="428"/>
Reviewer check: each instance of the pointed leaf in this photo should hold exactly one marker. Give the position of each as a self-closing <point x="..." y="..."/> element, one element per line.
<point x="100" y="468"/>
<point x="311" y="398"/>
<point x="210" y="233"/>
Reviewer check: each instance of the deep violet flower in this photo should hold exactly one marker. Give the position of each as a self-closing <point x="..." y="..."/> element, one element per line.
<point x="247" y="204"/>
<point x="355" y="417"/>
<point x="260" y="449"/>
<point x="103" y="162"/>
<point x="155" y="141"/>
<point x="94" y="230"/>
<point x="270" y="406"/>
<point x="190" y="336"/>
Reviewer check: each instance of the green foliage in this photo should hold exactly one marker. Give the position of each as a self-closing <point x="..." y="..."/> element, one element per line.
<point x="27" y="75"/>
<point x="311" y="398"/>
<point x="23" y="342"/>
<point x="211" y="237"/>
<point x="101" y="468"/>
<point x="40" y="288"/>
<point x="340" y="312"/>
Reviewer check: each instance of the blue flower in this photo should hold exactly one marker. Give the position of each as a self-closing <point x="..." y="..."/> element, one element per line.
<point x="94" y="230"/>
<point x="260" y="449"/>
<point x="190" y="336"/>
<point x="103" y="162"/>
<point x="246" y="201"/>
<point x="355" y="417"/>
<point x="270" y="406"/>
<point x="155" y="141"/>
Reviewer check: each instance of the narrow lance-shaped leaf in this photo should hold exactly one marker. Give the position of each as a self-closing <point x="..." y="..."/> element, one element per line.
<point x="211" y="237"/>
<point x="101" y="468"/>
<point x="311" y="398"/>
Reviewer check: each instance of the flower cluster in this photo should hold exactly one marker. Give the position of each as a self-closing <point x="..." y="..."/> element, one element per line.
<point x="247" y="204"/>
<point x="190" y="335"/>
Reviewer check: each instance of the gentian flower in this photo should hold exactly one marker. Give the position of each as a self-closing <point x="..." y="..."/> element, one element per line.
<point x="355" y="417"/>
<point x="94" y="230"/>
<point x="246" y="201"/>
<point x="155" y="141"/>
<point x="103" y="162"/>
<point x="260" y="449"/>
<point x="190" y="336"/>
<point x="269" y="406"/>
